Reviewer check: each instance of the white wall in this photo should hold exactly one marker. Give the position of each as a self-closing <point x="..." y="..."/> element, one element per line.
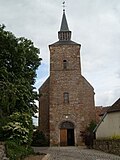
<point x="110" y="126"/>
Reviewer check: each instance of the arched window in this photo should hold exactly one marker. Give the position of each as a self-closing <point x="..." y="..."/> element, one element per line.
<point x="66" y="97"/>
<point x="64" y="64"/>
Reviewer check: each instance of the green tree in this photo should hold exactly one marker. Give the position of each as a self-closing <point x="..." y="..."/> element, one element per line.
<point x="19" y="60"/>
<point x="19" y="128"/>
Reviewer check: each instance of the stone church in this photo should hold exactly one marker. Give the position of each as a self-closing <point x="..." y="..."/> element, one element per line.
<point x="66" y="104"/>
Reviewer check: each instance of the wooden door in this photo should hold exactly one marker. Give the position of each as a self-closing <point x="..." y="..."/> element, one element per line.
<point x="63" y="137"/>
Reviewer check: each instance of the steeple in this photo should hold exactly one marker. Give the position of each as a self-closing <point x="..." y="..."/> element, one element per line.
<point x="64" y="25"/>
<point x="64" y="34"/>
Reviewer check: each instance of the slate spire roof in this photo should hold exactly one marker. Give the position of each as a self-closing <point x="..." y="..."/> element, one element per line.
<point x="64" y="24"/>
<point x="64" y="34"/>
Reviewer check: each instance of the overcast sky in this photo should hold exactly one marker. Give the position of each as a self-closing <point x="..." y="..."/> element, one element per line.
<point x="95" y="24"/>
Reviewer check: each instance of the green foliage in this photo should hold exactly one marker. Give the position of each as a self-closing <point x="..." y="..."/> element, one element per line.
<point x="19" y="60"/>
<point x="91" y="126"/>
<point x="115" y="137"/>
<point x="39" y="139"/>
<point x="3" y="122"/>
<point x="88" y="134"/>
<point x="16" y="151"/>
<point x="19" y="128"/>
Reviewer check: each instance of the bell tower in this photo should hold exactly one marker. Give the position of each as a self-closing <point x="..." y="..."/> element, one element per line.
<point x="65" y="54"/>
<point x="67" y="95"/>
<point x="67" y="101"/>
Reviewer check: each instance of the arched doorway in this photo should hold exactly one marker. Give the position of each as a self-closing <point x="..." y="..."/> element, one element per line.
<point x="67" y="134"/>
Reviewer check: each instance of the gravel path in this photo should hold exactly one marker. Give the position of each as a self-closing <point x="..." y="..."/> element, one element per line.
<point x="75" y="153"/>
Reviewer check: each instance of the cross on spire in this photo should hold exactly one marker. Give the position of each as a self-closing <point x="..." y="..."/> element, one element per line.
<point x="64" y="34"/>
<point x="63" y="6"/>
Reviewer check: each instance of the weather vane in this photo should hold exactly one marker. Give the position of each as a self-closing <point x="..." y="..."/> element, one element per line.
<point x="63" y="5"/>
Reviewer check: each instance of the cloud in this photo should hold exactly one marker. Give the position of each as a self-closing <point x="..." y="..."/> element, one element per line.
<point x="35" y="121"/>
<point x="95" y="24"/>
<point x="109" y="96"/>
<point x="118" y="74"/>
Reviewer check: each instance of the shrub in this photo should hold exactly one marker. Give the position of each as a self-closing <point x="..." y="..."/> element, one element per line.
<point x="19" y="128"/>
<point x="91" y="126"/>
<point x="115" y="137"/>
<point x="16" y="151"/>
<point x="39" y="139"/>
<point x="3" y="122"/>
<point x="88" y="134"/>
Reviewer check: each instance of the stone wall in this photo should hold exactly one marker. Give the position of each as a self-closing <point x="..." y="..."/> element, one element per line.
<point x="80" y="109"/>
<point x="44" y="108"/>
<point x="2" y="152"/>
<point x="109" y="146"/>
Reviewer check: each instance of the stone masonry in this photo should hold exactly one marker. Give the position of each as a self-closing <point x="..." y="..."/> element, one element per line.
<point x="80" y="109"/>
<point x="65" y="83"/>
<point x="109" y="146"/>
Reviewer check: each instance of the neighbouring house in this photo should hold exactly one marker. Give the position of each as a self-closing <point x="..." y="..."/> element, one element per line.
<point x="100" y="111"/>
<point x="109" y="124"/>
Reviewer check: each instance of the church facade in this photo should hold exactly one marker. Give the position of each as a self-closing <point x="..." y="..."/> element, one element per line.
<point x="66" y="104"/>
